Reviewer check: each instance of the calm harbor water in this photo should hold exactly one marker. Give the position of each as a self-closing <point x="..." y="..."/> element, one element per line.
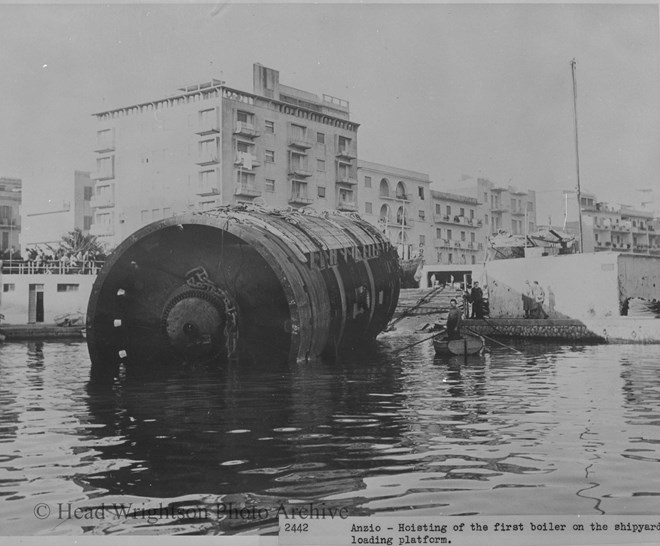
<point x="555" y="430"/>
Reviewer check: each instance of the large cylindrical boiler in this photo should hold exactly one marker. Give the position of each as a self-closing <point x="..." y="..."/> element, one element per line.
<point x="241" y="283"/>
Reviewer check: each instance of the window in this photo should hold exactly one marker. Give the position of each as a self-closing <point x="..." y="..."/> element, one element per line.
<point x="208" y="120"/>
<point x="486" y="219"/>
<point x="244" y="178"/>
<point x="344" y="171"/>
<point x="422" y="240"/>
<point x="105" y="167"/>
<point x="67" y="287"/>
<point x="8" y="287"/>
<point x="245" y="117"/>
<point x="367" y="181"/>
<point x="320" y="165"/>
<point x="244" y="147"/>
<point x="485" y="197"/>
<point x="421" y="214"/>
<point x="321" y="191"/>
<point x="298" y="132"/>
<point x="270" y="156"/>
<point x="105" y="139"/>
<point x="367" y="208"/>
<point x="448" y="210"/>
<point x="462" y="236"/>
<point x="269" y="126"/>
<point x="438" y="208"/>
<point x="207" y="180"/>
<point x="472" y="237"/>
<point x="144" y="216"/>
<point x="420" y="192"/>
<point x="449" y="234"/>
<point x="471" y="214"/>
<point x="530" y="206"/>
<point x="450" y="258"/>
<point x="320" y="138"/>
<point x="474" y="259"/>
<point x="270" y="184"/>
<point x="87" y="223"/>
<point x="438" y="233"/>
<point x="297" y="162"/>
<point x="462" y="213"/>
<point x="88" y="191"/>
<point x="343" y="144"/>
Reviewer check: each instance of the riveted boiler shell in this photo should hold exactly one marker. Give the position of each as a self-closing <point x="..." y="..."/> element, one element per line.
<point x="241" y="283"/>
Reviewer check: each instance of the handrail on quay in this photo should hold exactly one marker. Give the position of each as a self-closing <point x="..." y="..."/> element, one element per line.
<point x="52" y="267"/>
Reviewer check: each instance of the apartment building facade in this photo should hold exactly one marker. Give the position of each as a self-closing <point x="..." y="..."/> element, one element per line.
<point x="504" y="208"/>
<point x="10" y="213"/>
<point x="397" y="201"/>
<point x="47" y="220"/>
<point x="210" y="144"/>
<point x="459" y="235"/>
<point x="616" y="227"/>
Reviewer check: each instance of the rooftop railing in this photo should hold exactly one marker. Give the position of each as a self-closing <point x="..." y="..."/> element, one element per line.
<point x="49" y="267"/>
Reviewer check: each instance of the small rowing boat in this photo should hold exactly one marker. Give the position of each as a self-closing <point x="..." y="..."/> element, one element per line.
<point x="468" y="344"/>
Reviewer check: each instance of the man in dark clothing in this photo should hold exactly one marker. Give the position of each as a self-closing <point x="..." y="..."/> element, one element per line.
<point x="476" y="297"/>
<point x="454" y="320"/>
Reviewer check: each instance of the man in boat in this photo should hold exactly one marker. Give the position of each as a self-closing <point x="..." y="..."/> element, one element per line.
<point x="454" y="320"/>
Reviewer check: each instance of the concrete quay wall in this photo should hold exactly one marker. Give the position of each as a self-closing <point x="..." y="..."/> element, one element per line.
<point x="568" y="329"/>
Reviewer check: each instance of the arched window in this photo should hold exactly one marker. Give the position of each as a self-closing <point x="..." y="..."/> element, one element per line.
<point x="385" y="214"/>
<point x="384" y="187"/>
<point x="400" y="216"/>
<point x="401" y="191"/>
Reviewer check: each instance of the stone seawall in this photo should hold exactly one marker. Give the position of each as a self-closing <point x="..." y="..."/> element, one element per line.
<point x="532" y="328"/>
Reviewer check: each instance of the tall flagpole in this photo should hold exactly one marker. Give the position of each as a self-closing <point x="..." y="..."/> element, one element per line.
<point x="577" y="154"/>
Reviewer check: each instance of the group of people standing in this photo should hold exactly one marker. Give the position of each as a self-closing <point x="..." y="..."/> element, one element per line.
<point x="533" y="297"/>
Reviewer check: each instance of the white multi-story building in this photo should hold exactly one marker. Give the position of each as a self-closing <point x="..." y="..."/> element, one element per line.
<point x="210" y="144"/>
<point x="46" y="220"/>
<point x="10" y="211"/>
<point x="398" y="202"/>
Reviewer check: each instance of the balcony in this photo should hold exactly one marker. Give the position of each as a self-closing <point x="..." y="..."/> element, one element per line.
<point x="209" y="128"/>
<point x="245" y="129"/>
<point x="406" y="224"/>
<point x="246" y="161"/>
<point x="246" y="190"/>
<point x="104" y="146"/>
<point x="207" y="191"/>
<point x="346" y="179"/>
<point x="211" y="158"/>
<point x="299" y="170"/>
<point x="441" y="219"/>
<point x="444" y="243"/>
<point x="397" y="197"/>
<point x="298" y="199"/>
<point x="300" y="142"/>
<point x="8" y="222"/>
<point x="350" y="206"/>
<point x="345" y="153"/>
<point x="102" y="201"/>
<point x="517" y="212"/>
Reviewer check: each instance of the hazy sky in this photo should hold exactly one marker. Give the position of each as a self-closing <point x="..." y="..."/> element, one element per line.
<point x="445" y="89"/>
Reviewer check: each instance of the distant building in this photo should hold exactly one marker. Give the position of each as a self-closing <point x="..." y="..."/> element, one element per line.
<point x="210" y="144"/>
<point x="459" y="233"/>
<point x="398" y="202"/>
<point x="10" y="213"/>
<point x="46" y="220"/>
<point x="504" y="208"/>
<point x="616" y="227"/>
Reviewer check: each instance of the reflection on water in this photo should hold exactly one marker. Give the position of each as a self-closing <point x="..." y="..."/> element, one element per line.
<point x="554" y="430"/>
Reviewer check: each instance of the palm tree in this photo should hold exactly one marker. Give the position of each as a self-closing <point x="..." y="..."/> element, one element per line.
<point x="76" y="241"/>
